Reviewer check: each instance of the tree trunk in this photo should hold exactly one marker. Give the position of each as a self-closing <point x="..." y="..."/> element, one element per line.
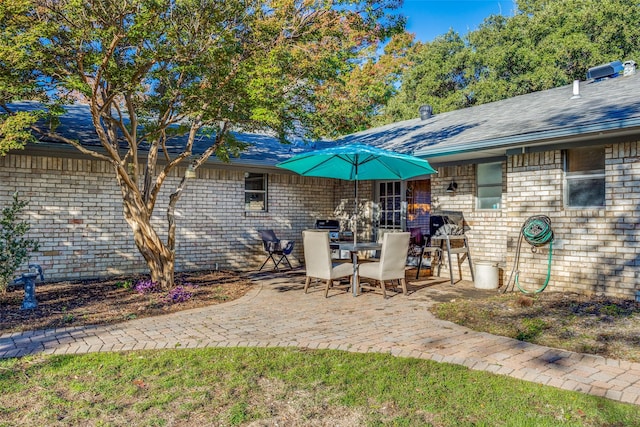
<point x="162" y="267"/>
<point x="159" y="257"/>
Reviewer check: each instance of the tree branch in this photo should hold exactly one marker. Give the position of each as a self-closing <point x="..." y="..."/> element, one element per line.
<point x="56" y="137"/>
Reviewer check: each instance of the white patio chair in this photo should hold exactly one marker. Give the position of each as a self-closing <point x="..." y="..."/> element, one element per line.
<point x="317" y="260"/>
<point x="393" y="259"/>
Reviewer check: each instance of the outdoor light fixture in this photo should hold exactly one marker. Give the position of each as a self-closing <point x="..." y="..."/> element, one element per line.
<point x="191" y="172"/>
<point x="453" y="187"/>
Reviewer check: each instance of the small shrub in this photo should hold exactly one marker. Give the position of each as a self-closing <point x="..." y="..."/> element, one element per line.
<point x="14" y="247"/>
<point x="179" y="294"/>
<point x="124" y="284"/>
<point x="531" y="329"/>
<point x="147" y="286"/>
<point x="613" y="310"/>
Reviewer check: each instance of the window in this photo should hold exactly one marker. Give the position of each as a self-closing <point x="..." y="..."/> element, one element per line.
<point x="584" y="177"/>
<point x="255" y="192"/>
<point x="390" y="204"/>
<point x="489" y="185"/>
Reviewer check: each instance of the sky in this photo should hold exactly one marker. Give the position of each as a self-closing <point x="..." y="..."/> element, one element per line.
<point x="428" y="19"/>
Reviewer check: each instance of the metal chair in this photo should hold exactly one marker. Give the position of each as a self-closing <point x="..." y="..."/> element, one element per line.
<point x="432" y="253"/>
<point x="274" y="246"/>
<point x="416" y="244"/>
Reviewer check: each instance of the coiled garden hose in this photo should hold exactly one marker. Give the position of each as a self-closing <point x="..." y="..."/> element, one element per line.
<point x="537" y="231"/>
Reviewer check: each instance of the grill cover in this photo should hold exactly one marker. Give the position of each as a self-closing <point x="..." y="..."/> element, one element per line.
<point x="328" y="224"/>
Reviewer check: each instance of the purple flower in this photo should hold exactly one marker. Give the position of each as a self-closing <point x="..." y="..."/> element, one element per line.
<point x="146" y="286"/>
<point x="179" y="294"/>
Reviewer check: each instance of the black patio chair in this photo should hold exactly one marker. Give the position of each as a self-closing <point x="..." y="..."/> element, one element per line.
<point x="274" y="246"/>
<point x="416" y="243"/>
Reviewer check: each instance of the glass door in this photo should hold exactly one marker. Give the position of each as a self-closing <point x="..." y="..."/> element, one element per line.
<point x="403" y="206"/>
<point x="390" y="206"/>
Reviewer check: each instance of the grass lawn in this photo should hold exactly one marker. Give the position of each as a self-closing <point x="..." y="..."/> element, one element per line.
<point x="285" y="387"/>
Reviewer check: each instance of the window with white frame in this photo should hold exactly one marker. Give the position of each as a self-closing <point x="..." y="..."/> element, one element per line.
<point x="489" y="185"/>
<point x="390" y="204"/>
<point x="584" y="177"/>
<point x="255" y="191"/>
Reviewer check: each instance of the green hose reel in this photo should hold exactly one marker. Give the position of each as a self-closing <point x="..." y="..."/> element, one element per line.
<point x="537" y="231"/>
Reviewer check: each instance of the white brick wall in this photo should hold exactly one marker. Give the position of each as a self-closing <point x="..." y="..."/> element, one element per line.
<point x="75" y="212"/>
<point x="596" y="250"/>
<point x="486" y="234"/>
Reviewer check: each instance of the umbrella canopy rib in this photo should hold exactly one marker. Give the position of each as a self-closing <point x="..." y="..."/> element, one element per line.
<point x="313" y="167"/>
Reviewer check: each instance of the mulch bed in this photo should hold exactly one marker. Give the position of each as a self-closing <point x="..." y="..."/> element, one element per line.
<point x="100" y="302"/>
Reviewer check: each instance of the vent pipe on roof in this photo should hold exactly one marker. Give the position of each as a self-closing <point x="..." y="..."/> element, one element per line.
<point x="426" y="111"/>
<point x="629" y="68"/>
<point x="576" y="89"/>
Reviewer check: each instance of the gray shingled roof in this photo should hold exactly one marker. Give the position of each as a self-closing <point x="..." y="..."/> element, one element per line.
<point x="264" y="150"/>
<point x="605" y="109"/>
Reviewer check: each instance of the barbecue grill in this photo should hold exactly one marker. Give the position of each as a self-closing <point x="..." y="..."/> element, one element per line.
<point x="333" y="227"/>
<point x="330" y="225"/>
<point x="335" y="235"/>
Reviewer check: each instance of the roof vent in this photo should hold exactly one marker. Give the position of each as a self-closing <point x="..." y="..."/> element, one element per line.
<point x="605" y="71"/>
<point x="629" y="68"/>
<point x="426" y="111"/>
<point x="576" y="90"/>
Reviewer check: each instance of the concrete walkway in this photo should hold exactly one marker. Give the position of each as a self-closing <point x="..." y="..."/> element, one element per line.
<point x="277" y="313"/>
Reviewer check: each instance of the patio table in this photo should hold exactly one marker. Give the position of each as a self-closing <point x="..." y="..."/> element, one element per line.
<point x="354" y="248"/>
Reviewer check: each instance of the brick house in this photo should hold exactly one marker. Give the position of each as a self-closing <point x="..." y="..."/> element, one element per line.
<point x="571" y="153"/>
<point x="76" y="214"/>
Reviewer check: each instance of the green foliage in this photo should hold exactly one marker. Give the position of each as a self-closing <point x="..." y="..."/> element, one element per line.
<point x="160" y="73"/>
<point x="436" y="77"/>
<point x="14" y="247"/>
<point x="530" y="329"/>
<point x="353" y="102"/>
<point x="546" y="44"/>
<point x="15" y="130"/>
<point x="125" y="284"/>
<point x="18" y="76"/>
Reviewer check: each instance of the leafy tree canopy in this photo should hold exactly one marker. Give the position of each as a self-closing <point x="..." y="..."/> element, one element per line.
<point x="547" y="43"/>
<point x="153" y="69"/>
<point x="18" y="80"/>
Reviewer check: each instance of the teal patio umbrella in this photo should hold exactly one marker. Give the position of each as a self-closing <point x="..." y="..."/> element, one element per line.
<point x="357" y="162"/>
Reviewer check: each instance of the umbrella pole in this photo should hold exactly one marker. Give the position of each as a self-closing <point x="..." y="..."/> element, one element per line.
<point x="355" y="215"/>
<point x="355" y="207"/>
<point x="356" y="279"/>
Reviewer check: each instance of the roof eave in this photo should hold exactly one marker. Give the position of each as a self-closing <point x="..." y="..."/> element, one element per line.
<point x="615" y="128"/>
<point x="52" y="149"/>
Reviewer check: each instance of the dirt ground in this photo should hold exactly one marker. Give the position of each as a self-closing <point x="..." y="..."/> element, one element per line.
<point x="100" y="302"/>
<point x="604" y="326"/>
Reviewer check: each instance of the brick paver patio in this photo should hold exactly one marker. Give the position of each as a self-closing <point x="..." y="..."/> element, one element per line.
<point x="277" y="313"/>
